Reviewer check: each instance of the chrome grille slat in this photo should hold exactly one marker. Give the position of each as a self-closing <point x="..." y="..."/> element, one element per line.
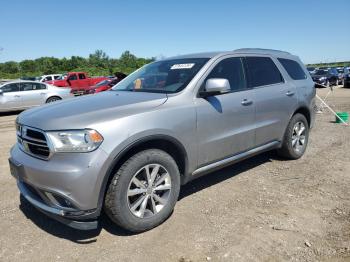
<point x="38" y="143"/>
<point x="33" y="139"/>
<point x="30" y="142"/>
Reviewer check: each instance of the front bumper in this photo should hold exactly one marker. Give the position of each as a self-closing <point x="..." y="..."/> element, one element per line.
<point x="55" y="213"/>
<point x="66" y="187"/>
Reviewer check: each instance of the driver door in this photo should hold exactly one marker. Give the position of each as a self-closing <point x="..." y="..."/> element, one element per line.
<point x="226" y="122"/>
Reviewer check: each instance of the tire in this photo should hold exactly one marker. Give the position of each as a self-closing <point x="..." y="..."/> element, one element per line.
<point x="53" y="99"/>
<point x="294" y="145"/>
<point x="125" y="209"/>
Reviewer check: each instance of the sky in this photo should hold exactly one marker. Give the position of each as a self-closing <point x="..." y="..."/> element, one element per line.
<point x="316" y="31"/>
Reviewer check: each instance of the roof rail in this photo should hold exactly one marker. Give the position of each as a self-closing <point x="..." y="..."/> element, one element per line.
<point x="260" y="51"/>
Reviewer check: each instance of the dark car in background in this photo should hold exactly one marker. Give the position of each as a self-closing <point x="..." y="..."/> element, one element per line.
<point x="326" y="77"/>
<point x="346" y="77"/>
<point x="311" y="69"/>
<point x="342" y="72"/>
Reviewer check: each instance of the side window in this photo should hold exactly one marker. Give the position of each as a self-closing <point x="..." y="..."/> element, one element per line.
<point x="32" y="86"/>
<point x="48" y="78"/>
<point x="82" y="76"/>
<point x="27" y="86"/>
<point x="39" y="86"/>
<point x="232" y="70"/>
<point x="56" y="77"/>
<point x="262" y="71"/>
<point x="293" y="69"/>
<point x="72" y="77"/>
<point x="10" y="88"/>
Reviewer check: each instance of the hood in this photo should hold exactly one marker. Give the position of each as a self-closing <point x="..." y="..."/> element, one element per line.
<point x="86" y="111"/>
<point x="318" y="76"/>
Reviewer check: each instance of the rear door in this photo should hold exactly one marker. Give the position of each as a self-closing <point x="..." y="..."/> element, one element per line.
<point x="10" y="99"/>
<point x="275" y="99"/>
<point x="33" y="94"/>
<point x="226" y="122"/>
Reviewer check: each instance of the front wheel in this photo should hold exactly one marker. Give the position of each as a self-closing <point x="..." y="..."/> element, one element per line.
<point x="295" y="138"/>
<point x="144" y="191"/>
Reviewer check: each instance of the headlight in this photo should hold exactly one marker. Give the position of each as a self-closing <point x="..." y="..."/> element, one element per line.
<point x="322" y="78"/>
<point x="85" y="140"/>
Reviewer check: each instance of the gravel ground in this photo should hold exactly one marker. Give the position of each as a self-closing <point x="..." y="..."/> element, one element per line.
<point x="263" y="209"/>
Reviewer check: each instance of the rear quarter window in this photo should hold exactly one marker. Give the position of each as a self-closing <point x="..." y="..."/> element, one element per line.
<point x="262" y="71"/>
<point x="293" y="69"/>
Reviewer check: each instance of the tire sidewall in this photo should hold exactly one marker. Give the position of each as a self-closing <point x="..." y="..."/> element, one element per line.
<point x="142" y="159"/>
<point x="297" y="118"/>
<point x="52" y="99"/>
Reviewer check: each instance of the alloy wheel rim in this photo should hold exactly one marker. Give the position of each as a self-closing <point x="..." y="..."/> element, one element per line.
<point x="299" y="137"/>
<point x="149" y="190"/>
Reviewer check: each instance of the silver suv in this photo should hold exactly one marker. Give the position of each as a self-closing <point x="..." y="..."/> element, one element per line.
<point x="127" y="151"/>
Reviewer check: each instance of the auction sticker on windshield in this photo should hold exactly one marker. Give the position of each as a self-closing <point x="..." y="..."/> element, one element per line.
<point x="182" y="66"/>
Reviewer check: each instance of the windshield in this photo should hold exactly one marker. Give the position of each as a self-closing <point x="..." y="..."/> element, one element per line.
<point x="321" y="72"/>
<point x="62" y="77"/>
<point x="169" y="76"/>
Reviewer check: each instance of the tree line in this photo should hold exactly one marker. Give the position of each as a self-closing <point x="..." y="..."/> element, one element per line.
<point x="97" y="64"/>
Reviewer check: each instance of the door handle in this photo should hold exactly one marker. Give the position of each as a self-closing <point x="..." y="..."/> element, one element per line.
<point x="17" y="96"/>
<point x="290" y="93"/>
<point x="246" y="102"/>
<point x="42" y="93"/>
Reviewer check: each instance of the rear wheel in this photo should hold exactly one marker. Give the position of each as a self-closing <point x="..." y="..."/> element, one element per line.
<point x="144" y="191"/>
<point x="53" y="99"/>
<point x="296" y="138"/>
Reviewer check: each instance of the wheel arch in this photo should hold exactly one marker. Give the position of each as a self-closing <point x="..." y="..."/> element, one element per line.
<point x="47" y="99"/>
<point x="305" y="112"/>
<point x="163" y="142"/>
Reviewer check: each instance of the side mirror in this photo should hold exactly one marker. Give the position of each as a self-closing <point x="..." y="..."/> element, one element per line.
<point x="216" y="86"/>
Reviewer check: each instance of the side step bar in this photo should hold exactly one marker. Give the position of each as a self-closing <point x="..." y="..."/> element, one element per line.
<point x="234" y="159"/>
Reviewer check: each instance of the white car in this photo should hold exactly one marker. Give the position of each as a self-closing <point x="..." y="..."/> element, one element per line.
<point x="19" y="95"/>
<point x="46" y="78"/>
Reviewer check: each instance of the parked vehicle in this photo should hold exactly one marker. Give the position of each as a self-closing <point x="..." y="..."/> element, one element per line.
<point x="104" y="85"/>
<point x="130" y="149"/>
<point x="76" y="79"/>
<point x="342" y="72"/>
<point x="311" y="70"/>
<point x="47" y="78"/>
<point x="19" y="95"/>
<point x="29" y="78"/>
<point x="326" y="77"/>
<point x="346" y="79"/>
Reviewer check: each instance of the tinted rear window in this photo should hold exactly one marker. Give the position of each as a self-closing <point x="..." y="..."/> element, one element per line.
<point x="293" y="69"/>
<point x="262" y="71"/>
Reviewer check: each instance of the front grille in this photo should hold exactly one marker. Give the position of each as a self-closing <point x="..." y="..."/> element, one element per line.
<point x="33" y="142"/>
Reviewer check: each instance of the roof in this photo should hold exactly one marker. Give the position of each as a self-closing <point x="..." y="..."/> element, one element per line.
<point x="237" y="51"/>
<point x="21" y="81"/>
<point x="261" y="51"/>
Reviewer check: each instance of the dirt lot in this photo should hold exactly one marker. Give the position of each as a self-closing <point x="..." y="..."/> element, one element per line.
<point x="264" y="209"/>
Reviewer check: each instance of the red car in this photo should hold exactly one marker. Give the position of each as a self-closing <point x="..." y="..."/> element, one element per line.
<point x="102" y="86"/>
<point x="99" y="87"/>
<point x="76" y="80"/>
